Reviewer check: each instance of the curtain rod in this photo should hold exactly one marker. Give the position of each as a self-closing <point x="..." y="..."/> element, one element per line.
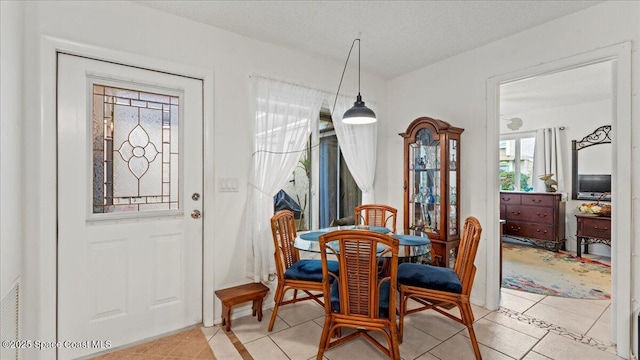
<point x="331" y="93"/>
<point x="290" y="83"/>
<point x="527" y="131"/>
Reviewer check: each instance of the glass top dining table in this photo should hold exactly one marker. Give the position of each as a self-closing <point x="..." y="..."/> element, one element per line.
<point x="410" y="245"/>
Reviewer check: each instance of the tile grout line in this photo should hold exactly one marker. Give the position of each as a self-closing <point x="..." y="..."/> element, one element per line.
<point x="598" y="319"/>
<point x="536" y="344"/>
<point x="462" y="333"/>
<point x="211" y="338"/>
<point x="278" y="346"/>
<point x="584" y="339"/>
<point x="244" y="353"/>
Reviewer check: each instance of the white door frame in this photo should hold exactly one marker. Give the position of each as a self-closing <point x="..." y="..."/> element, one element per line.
<point x="622" y="327"/>
<point x="44" y="260"/>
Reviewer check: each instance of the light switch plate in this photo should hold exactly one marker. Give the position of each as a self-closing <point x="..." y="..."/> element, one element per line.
<point x="228" y="184"/>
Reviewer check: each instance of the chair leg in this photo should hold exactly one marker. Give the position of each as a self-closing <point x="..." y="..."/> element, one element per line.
<point x="277" y="300"/>
<point x="403" y="309"/>
<point x="324" y="339"/>
<point x="394" y="347"/>
<point x="467" y="318"/>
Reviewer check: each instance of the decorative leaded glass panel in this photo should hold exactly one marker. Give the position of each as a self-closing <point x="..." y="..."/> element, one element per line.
<point x="135" y="150"/>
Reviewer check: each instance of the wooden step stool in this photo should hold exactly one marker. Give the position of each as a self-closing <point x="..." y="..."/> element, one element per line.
<point x="238" y="295"/>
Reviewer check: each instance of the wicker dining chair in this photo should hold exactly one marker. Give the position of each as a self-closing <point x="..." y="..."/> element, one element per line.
<point x="434" y="287"/>
<point x="293" y="273"/>
<point x="376" y="215"/>
<point x="357" y="297"/>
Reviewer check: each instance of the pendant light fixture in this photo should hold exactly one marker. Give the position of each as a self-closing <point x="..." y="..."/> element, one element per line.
<point x="359" y="113"/>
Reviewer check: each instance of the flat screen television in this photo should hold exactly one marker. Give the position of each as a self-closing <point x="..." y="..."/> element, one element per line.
<point x="591" y="187"/>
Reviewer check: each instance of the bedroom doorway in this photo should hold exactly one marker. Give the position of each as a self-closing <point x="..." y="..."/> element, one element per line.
<point x="620" y="55"/>
<point x="539" y="118"/>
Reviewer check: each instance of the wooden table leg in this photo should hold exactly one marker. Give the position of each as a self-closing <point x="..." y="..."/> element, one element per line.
<point x="254" y="307"/>
<point x="579" y="243"/>
<point x="226" y="317"/>
<point x="586" y="246"/>
<point x="257" y="308"/>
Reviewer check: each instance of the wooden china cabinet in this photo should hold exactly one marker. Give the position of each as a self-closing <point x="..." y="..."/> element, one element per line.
<point x="431" y="186"/>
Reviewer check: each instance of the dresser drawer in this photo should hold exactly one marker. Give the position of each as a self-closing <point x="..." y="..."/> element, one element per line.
<point x="509" y="198"/>
<point x="538" y="200"/>
<point x="538" y="214"/>
<point x="594" y="227"/>
<point x="537" y="231"/>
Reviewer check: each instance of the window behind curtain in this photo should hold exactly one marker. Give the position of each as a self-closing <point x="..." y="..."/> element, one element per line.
<point x="338" y="193"/>
<point x="516" y="161"/>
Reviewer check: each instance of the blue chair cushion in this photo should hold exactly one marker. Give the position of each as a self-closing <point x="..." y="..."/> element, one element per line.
<point x="429" y="277"/>
<point x="309" y="270"/>
<point x="383" y="310"/>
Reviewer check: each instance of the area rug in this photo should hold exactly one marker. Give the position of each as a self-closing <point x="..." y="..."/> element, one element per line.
<point x="536" y="270"/>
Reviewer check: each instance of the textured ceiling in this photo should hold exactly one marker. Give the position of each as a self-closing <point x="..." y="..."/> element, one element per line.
<point x="584" y="84"/>
<point x="397" y="36"/>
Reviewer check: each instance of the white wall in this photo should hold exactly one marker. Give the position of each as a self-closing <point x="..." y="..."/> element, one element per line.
<point x="11" y="14"/>
<point x="454" y="90"/>
<point x="127" y="27"/>
<point x="579" y="120"/>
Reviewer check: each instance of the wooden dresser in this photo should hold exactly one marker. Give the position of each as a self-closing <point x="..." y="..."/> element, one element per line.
<point x="534" y="217"/>
<point x="592" y="229"/>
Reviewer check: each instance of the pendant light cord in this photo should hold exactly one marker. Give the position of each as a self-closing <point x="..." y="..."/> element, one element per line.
<point x="345" y="69"/>
<point x="358" y="65"/>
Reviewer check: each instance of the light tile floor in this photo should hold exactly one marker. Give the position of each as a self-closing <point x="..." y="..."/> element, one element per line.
<point x="184" y="345"/>
<point x="527" y="326"/>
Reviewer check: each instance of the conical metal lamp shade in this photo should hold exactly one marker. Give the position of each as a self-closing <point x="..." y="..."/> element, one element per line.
<point x="359" y="114"/>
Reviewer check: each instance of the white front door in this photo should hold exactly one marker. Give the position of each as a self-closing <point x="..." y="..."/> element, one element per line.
<point x="129" y="196"/>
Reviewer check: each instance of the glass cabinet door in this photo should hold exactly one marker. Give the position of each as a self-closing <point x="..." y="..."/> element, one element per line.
<point x="453" y="189"/>
<point x="425" y="183"/>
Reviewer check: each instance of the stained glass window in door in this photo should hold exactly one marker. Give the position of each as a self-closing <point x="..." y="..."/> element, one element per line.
<point x="135" y="150"/>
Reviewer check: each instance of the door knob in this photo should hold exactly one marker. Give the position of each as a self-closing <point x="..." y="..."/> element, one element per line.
<point x="196" y="214"/>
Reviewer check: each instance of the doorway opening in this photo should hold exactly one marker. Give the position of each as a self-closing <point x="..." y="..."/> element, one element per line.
<point x="620" y="55"/>
<point x="541" y="117"/>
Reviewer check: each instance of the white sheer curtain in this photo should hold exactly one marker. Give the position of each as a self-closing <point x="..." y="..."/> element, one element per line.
<point x="358" y="144"/>
<point x="282" y="118"/>
<point x="547" y="158"/>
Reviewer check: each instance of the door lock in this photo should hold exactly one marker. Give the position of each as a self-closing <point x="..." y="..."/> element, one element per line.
<point x="195" y="196"/>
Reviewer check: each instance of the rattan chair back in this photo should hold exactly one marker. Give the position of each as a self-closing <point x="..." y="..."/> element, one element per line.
<point x="464" y="267"/>
<point x="440" y="300"/>
<point x="283" y="229"/>
<point x="376" y="215"/>
<point x="360" y="285"/>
